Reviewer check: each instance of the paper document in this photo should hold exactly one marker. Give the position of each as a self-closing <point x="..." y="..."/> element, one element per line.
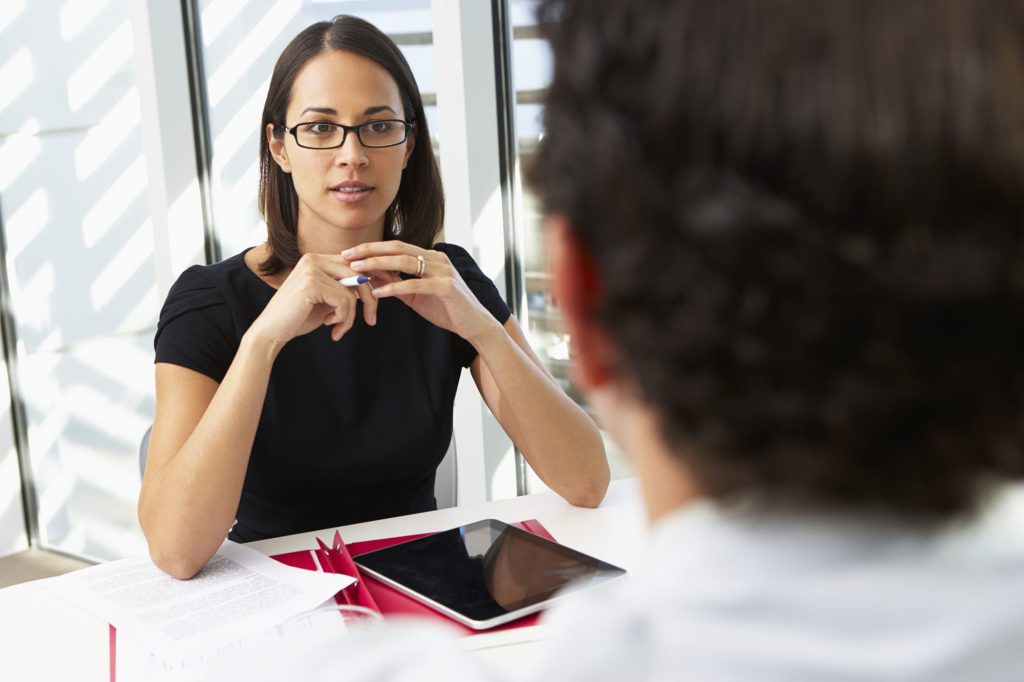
<point x="239" y="593"/>
<point x="134" y="663"/>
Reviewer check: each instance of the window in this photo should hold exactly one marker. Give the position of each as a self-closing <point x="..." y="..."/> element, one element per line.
<point x="87" y="194"/>
<point x="531" y="73"/>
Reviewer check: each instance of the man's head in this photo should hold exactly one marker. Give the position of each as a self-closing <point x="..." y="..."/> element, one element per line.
<point x="794" y="231"/>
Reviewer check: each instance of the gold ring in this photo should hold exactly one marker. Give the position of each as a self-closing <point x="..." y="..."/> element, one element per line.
<point x="421" y="265"/>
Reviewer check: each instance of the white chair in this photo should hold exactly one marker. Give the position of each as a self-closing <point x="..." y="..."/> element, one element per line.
<point x="446" y="480"/>
<point x="144" y="450"/>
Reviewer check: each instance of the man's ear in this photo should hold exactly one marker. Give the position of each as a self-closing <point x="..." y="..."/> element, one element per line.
<point x="277" y="150"/>
<point x="577" y="290"/>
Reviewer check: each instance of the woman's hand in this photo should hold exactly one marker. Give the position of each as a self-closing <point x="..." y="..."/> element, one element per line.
<point x="311" y="296"/>
<point x="436" y="292"/>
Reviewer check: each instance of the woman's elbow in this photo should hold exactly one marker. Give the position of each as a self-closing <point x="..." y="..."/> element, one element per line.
<point x="589" y="493"/>
<point x="590" y="484"/>
<point x="176" y="564"/>
<point x="586" y="501"/>
<point x="175" y="558"/>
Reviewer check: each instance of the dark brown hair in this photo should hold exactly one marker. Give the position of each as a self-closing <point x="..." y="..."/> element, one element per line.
<point x="417" y="213"/>
<point x="808" y="222"/>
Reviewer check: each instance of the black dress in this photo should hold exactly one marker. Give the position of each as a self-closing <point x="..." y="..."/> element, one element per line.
<point x="351" y="430"/>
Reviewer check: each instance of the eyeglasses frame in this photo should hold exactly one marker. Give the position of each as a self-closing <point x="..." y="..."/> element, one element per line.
<point x="347" y="129"/>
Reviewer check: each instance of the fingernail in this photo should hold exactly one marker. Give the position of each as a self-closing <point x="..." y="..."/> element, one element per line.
<point x="356" y="265"/>
<point x="347" y="252"/>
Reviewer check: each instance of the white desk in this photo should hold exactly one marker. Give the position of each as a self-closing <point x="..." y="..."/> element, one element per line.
<point x="43" y="637"/>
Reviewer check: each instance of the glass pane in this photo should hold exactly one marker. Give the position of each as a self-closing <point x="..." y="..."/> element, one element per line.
<point x="13" y="537"/>
<point x="241" y="41"/>
<point x="80" y="262"/>
<point x="531" y="73"/>
<point x="87" y="407"/>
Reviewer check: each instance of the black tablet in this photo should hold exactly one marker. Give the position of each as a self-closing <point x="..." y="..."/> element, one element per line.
<point x="485" y="573"/>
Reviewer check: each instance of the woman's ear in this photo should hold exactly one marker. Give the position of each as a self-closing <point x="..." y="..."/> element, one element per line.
<point x="277" y="150"/>
<point x="410" y="144"/>
<point x="577" y="293"/>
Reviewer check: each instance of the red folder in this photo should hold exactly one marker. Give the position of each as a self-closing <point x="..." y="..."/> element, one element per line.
<point x="374" y="594"/>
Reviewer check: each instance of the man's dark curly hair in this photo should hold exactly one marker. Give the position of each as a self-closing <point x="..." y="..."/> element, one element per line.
<point x="808" y="222"/>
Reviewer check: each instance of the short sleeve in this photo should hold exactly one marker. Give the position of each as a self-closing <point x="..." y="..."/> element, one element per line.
<point x="196" y="329"/>
<point x="482" y="287"/>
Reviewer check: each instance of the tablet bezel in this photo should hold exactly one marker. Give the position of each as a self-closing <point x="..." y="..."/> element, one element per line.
<point x="503" y="618"/>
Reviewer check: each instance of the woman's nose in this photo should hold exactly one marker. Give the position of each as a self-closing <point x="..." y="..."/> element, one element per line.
<point x="351" y="152"/>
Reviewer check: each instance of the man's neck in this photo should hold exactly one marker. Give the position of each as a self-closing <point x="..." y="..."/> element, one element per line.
<point x="665" y="481"/>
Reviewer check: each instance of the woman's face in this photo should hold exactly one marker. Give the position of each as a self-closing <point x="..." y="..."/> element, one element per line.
<point x="341" y="87"/>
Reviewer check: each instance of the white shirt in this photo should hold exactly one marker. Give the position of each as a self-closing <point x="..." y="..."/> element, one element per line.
<point x="721" y="598"/>
<point x="777" y="598"/>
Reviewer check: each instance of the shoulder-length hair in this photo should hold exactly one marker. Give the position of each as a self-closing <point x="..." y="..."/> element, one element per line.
<point x="417" y="213"/>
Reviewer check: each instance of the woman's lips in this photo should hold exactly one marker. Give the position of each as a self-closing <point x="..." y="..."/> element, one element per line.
<point x="351" y="195"/>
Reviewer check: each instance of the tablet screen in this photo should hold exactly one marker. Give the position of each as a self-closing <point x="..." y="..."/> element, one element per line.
<point x="487" y="572"/>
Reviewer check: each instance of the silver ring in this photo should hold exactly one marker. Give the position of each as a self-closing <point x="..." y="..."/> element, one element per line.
<point x="421" y="265"/>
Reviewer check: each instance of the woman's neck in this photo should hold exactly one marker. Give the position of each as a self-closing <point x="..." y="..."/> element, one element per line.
<point x="334" y="240"/>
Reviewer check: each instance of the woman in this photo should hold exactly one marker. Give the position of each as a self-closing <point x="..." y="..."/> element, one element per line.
<point x="287" y="401"/>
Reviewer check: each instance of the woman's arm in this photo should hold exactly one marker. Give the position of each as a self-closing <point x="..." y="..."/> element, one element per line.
<point x="558" y="439"/>
<point x="203" y="431"/>
<point x="198" y="454"/>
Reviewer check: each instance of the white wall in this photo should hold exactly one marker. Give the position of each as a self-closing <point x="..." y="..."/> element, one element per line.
<point x="468" y="119"/>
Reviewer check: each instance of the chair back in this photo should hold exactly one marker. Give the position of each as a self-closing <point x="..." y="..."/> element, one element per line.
<point x="144" y="450"/>
<point x="446" y="480"/>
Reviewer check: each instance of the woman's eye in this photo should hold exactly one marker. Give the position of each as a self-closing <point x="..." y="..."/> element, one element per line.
<point x="320" y="128"/>
<point x="380" y="127"/>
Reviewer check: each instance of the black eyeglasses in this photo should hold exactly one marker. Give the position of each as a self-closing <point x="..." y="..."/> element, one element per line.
<point x="326" y="135"/>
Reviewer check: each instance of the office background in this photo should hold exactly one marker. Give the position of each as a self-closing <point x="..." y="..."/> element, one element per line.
<point x="128" y="151"/>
